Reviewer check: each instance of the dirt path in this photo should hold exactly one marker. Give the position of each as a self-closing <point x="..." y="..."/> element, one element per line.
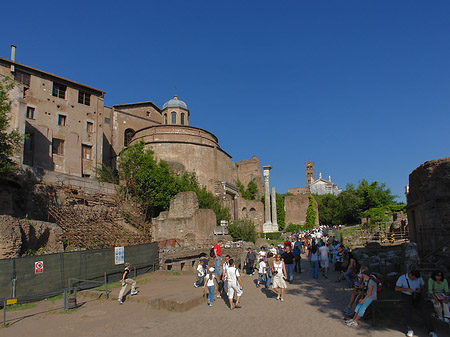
<point x="311" y="308"/>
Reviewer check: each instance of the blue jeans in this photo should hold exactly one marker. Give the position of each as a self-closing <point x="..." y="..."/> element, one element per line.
<point x="290" y="271"/>
<point x="315" y="269"/>
<point x="262" y="278"/>
<point x="269" y="279"/>
<point x="298" y="266"/>
<point x="217" y="265"/>
<point x="347" y="275"/>
<point x="210" y="294"/>
<point x="200" y="281"/>
<point x="361" y="308"/>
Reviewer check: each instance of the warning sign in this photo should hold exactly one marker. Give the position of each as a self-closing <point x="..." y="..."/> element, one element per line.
<point x="39" y="267"/>
<point x="119" y="255"/>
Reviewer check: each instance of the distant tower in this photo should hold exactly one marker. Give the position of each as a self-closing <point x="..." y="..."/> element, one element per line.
<point x="310" y="173"/>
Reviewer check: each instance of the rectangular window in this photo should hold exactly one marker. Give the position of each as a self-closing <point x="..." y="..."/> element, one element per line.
<point x="61" y="120"/>
<point x="84" y="98"/>
<point x="87" y="151"/>
<point x="30" y="112"/>
<point x="59" y="90"/>
<point x="107" y="120"/>
<point x="22" y="77"/>
<point x="89" y="127"/>
<point x="28" y="145"/>
<point x="58" y="146"/>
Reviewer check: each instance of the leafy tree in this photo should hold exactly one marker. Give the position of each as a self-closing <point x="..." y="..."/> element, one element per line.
<point x="310" y="214"/>
<point x="9" y="141"/>
<point x="251" y="191"/>
<point x="281" y="213"/>
<point x="242" y="230"/>
<point x="107" y="174"/>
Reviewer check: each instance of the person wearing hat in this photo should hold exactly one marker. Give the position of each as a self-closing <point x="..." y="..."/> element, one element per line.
<point x="125" y="281"/>
<point x="211" y="284"/>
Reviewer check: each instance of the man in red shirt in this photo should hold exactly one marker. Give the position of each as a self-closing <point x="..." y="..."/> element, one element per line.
<point x="288" y="243"/>
<point x="217" y="255"/>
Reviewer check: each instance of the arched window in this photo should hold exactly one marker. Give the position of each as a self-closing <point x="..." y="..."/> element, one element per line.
<point x="244" y="209"/>
<point x="174" y="118"/>
<point x="165" y="118"/>
<point x="128" y="136"/>
<point x="182" y="119"/>
<point x="252" y="210"/>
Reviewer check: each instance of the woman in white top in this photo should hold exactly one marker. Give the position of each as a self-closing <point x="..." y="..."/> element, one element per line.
<point x="279" y="274"/>
<point x="211" y="283"/>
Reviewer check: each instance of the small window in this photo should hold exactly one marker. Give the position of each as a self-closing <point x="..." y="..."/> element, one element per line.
<point x="148" y="113"/>
<point x="28" y="145"/>
<point x="30" y="112"/>
<point x="59" y="90"/>
<point x="58" y="146"/>
<point x="61" y="120"/>
<point x="84" y="98"/>
<point x="174" y="118"/>
<point x="87" y="151"/>
<point x="22" y="77"/>
<point x="107" y="120"/>
<point x="165" y="118"/>
<point x="128" y="136"/>
<point x="90" y="127"/>
<point x="182" y="119"/>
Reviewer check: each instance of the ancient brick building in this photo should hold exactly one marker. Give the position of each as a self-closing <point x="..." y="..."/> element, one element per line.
<point x="428" y="205"/>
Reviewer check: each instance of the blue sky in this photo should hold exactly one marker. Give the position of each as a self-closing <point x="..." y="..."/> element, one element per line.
<point x="359" y="87"/>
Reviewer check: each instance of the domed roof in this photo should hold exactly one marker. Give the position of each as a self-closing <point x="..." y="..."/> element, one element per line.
<point x="175" y="103"/>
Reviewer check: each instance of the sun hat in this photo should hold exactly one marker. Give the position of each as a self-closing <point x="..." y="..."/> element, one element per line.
<point x="211" y="269"/>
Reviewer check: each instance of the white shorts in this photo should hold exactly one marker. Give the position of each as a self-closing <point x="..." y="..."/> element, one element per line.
<point x="234" y="288"/>
<point x="324" y="263"/>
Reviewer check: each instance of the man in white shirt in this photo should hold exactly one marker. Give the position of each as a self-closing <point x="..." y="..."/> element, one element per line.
<point x="273" y="250"/>
<point x="411" y="285"/>
<point x="225" y="267"/>
<point x="233" y="276"/>
<point x="324" y="260"/>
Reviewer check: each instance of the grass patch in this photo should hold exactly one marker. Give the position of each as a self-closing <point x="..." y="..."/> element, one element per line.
<point x="57" y="297"/>
<point x="17" y="307"/>
<point x="68" y="311"/>
<point x="110" y="286"/>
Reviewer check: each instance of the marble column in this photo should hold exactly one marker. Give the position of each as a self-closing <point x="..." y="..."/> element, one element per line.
<point x="267" y="227"/>
<point x="274" y="211"/>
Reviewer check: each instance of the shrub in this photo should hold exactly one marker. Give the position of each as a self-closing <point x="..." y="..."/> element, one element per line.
<point x="242" y="230"/>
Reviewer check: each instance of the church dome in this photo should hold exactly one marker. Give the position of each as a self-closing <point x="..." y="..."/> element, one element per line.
<point x="175" y="103"/>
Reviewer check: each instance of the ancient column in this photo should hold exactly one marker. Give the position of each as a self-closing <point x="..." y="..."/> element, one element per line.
<point x="274" y="211"/>
<point x="267" y="227"/>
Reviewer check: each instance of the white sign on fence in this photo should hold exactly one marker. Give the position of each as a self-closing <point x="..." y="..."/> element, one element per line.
<point x="119" y="254"/>
<point x="39" y="267"/>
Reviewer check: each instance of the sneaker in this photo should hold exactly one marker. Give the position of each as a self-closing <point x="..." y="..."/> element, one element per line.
<point x="134" y="293"/>
<point x="410" y="333"/>
<point x="446" y="320"/>
<point x="219" y="296"/>
<point x="433" y="334"/>
<point x="195" y="285"/>
<point x="348" y="320"/>
<point x="210" y="304"/>
<point x="120" y="301"/>
<point x="352" y="323"/>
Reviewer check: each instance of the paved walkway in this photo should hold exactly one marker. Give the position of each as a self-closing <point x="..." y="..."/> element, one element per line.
<point x="311" y="308"/>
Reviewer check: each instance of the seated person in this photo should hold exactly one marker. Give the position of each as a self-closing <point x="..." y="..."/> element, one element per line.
<point x="359" y="290"/>
<point x="438" y="291"/>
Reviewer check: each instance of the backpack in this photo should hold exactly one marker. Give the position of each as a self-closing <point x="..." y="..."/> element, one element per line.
<point x="211" y="252"/>
<point x="378" y="281"/>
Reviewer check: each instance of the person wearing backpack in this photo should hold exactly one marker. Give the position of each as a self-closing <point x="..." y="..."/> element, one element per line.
<point x="364" y="302"/>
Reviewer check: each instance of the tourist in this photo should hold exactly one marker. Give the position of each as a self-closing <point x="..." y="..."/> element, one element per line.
<point x="250" y="261"/>
<point x="358" y="291"/>
<point x="223" y="278"/>
<point x="364" y="303"/>
<point x="200" y="274"/>
<point x="334" y="249"/>
<point x="287" y="243"/>
<point x="262" y="272"/>
<point x="324" y="260"/>
<point x="217" y="255"/>
<point x="411" y="285"/>
<point x="211" y="284"/>
<point x="262" y="253"/>
<point x="297" y="257"/>
<point x="438" y="291"/>
<point x="269" y="263"/>
<point x="279" y="274"/>
<point x="272" y="249"/>
<point x="314" y="260"/>
<point x="339" y="261"/>
<point x="288" y="259"/>
<point x="233" y="276"/>
<point x="125" y="281"/>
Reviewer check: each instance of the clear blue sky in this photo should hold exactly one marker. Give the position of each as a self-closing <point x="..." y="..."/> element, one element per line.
<point x="359" y="87"/>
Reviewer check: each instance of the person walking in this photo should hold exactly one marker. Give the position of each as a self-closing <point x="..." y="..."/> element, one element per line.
<point x="262" y="272"/>
<point x="125" y="281"/>
<point x="314" y="260"/>
<point x="200" y="274"/>
<point x="269" y="264"/>
<point x="411" y="285"/>
<point x="288" y="259"/>
<point x="279" y="274"/>
<point x="250" y="261"/>
<point x="211" y="284"/>
<point x="297" y="256"/>
<point x="217" y="257"/>
<point x="223" y="288"/>
<point x="234" y="288"/>
<point x="324" y="260"/>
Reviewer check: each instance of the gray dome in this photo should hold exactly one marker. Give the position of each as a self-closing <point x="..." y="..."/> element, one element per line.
<point x="175" y="103"/>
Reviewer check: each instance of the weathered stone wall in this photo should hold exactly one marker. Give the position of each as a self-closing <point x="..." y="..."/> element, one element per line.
<point x="296" y="207"/>
<point x="252" y="210"/>
<point x="185" y="221"/>
<point x="19" y="235"/>
<point x="428" y="205"/>
<point x="298" y="190"/>
<point x="248" y="170"/>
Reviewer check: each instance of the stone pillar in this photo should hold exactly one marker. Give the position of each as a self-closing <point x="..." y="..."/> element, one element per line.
<point x="274" y="211"/>
<point x="267" y="227"/>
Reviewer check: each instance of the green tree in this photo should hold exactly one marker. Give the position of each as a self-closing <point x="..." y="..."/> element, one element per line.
<point x="310" y="214"/>
<point x="9" y="141"/>
<point x="251" y="191"/>
<point x="242" y="230"/>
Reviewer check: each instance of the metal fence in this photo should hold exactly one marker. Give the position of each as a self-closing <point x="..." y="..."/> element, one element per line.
<point x="22" y="278"/>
